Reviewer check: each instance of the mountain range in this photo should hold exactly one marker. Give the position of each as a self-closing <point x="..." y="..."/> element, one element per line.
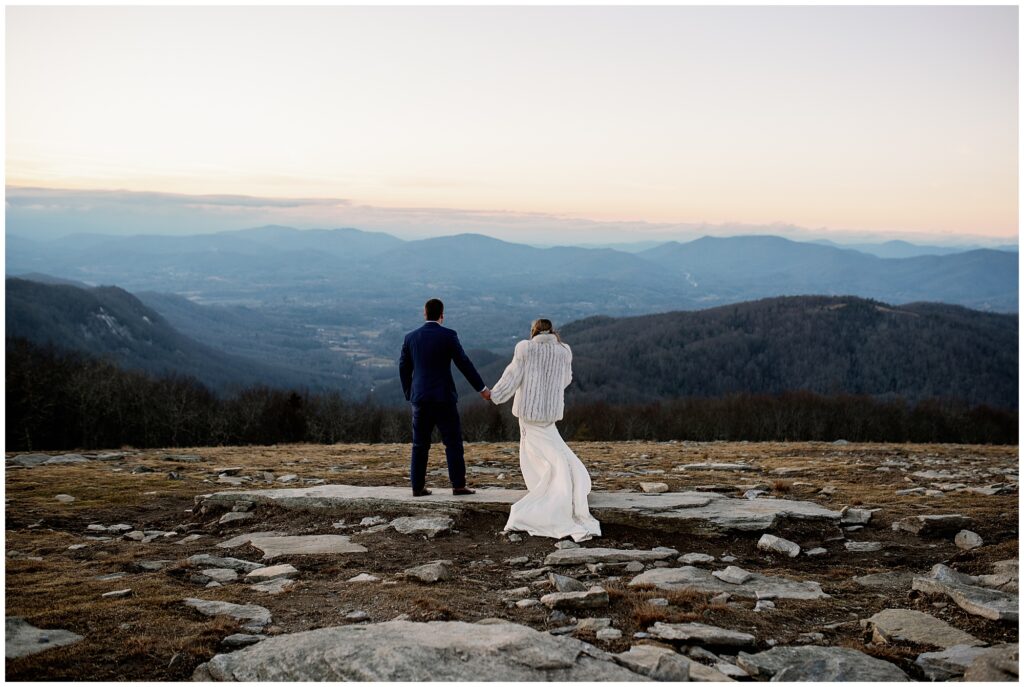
<point x="319" y="267"/>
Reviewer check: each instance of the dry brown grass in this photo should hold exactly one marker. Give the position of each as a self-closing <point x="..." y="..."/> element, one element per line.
<point x="152" y="636"/>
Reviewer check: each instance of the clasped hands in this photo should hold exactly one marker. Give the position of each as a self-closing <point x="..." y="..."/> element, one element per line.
<point x="486" y="394"/>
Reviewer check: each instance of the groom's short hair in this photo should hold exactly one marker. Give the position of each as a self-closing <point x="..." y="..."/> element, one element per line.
<point x="434" y="308"/>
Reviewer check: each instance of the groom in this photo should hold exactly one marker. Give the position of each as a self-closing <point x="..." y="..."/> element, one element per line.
<point x="425" y="367"/>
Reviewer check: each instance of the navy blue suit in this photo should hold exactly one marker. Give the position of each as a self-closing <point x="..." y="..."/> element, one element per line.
<point x="425" y="367"/>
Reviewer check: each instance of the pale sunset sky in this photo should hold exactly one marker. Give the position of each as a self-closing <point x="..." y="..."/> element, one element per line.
<point x="570" y="122"/>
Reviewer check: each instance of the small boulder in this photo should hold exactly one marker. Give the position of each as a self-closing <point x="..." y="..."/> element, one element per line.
<point x="733" y="575"/>
<point x="769" y="542"/>
<point x="967" y="540"/>
<point x="595" y="597"/>
<point x="431" y="572"/>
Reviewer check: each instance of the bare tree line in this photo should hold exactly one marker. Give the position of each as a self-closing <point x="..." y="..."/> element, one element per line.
<point x="59" y="401"/>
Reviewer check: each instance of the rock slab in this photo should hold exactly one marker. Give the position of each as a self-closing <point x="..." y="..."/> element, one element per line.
<point x="255" y="617"/>
<point x="402" y="651"/>
<point x="757" y="586"/>
<point x="900" y="625"/>
<point x="699" y="633"/>
<point x="820" y="664"/>
<point x="22" y="639"/>
<point x="703" y="510"/>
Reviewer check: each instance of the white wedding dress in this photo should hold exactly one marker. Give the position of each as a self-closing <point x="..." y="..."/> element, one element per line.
<point x="556" y="480"/>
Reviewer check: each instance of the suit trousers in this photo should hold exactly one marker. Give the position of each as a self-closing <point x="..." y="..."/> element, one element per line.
<point x="445" y="416"/>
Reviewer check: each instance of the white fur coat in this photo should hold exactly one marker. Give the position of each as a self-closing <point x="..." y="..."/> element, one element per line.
<point x="537" y="375"/>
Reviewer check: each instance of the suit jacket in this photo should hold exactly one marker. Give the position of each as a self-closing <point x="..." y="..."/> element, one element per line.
<point x="425" y="365"/>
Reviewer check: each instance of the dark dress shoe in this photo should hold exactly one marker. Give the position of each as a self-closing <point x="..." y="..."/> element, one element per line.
<point x="463" y="491"/>
<point x="422" y="492"/>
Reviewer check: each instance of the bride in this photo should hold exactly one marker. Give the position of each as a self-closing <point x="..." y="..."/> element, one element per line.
<point x="556" y="480"/>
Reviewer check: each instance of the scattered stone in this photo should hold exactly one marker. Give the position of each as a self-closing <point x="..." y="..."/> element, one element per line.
<point x="769" y="542"/>
<point x="602" y="555"/>
<point x="593" y="624"/>
<point x="532" y="573"/>
<point x="363" y="577"/>
<point x="372" y="520"/>
<point x="76" y="547"/>
<point x="660" y="602"/>
<point x="566" y="544"/>
<point x="932" y="525"/>
<point x="110" y="577"/>
<point x="999" y="664"/>
<point x="890" y="581"/>
<point x="22" y="639"/>
<point x="733" y="575"/>
<point x="515" y="538"/>
<point x="819" y="664"/>
<point x="152" y="566"/>
<point x="728" y="559"/>
<point x="273" y="586"/>
<point x="287" y="479"/>
<point x="949" y="664"/>
<point x="357" y="616"/>
<point x="65" y="498"/>
<point x="563" y="583"/>
<point x="219" y="562"/>
<point x="691" y="558"/>
<point x="738" y="467"/>
<point x="274" y="546"/>
<point x="863" y="546"/>
<point x="980" y="601"/>
<point x="698" y="633"/>
<point x="967" y="540"/>
<point x="657" y="663"/>
<point x="234" y="517"/>
<point x="255" y="617"/>
<point x="516" y="594"/>
<point x="431" y="526"/>
<point x="117" y="594"/>
<point x="518" y="560"/>
<point x="816" y="551"/>
<point x="595" y="597"/>
<point x="189" y="539"/>
<point x="653" y="487"/>
<point x="221" y="574"/>
<point x="135" y="535"/>
<point x="527" y="603"/>
<point x="899" y="625"/>
<point x="634" y="567"/>
<point x="763" y="605"/>
<point x="273" y="572"/>
<point x="695" y="579"/>
<point x="237" y="641"/>
<point x="431" y="572"/>
<point x="182" y="458"/>
<point x="608" y="634"/>
<point x="400" y="651"/>
<point x="855" y="516"/>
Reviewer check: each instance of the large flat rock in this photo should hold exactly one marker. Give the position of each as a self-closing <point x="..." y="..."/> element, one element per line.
<point x="901" y="625"/>
<point x="401" y="651"/>
<point x="980" y="601"/>
<point x="818" y="664"/>
<point x="706" y="510"/>
<point x="688" y="578"/>
<point x="23" y="639"/>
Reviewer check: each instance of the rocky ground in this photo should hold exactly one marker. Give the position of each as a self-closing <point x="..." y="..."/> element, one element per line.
<point x="786" y="561"/>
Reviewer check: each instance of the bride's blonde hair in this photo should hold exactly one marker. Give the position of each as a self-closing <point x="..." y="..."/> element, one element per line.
<point x="543" y="326"/>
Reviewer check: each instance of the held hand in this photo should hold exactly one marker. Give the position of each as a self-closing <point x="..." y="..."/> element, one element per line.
<point x="486" y="394"/>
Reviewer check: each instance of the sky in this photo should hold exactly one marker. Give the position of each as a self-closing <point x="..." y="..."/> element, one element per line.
<point x="561" y="123"/>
